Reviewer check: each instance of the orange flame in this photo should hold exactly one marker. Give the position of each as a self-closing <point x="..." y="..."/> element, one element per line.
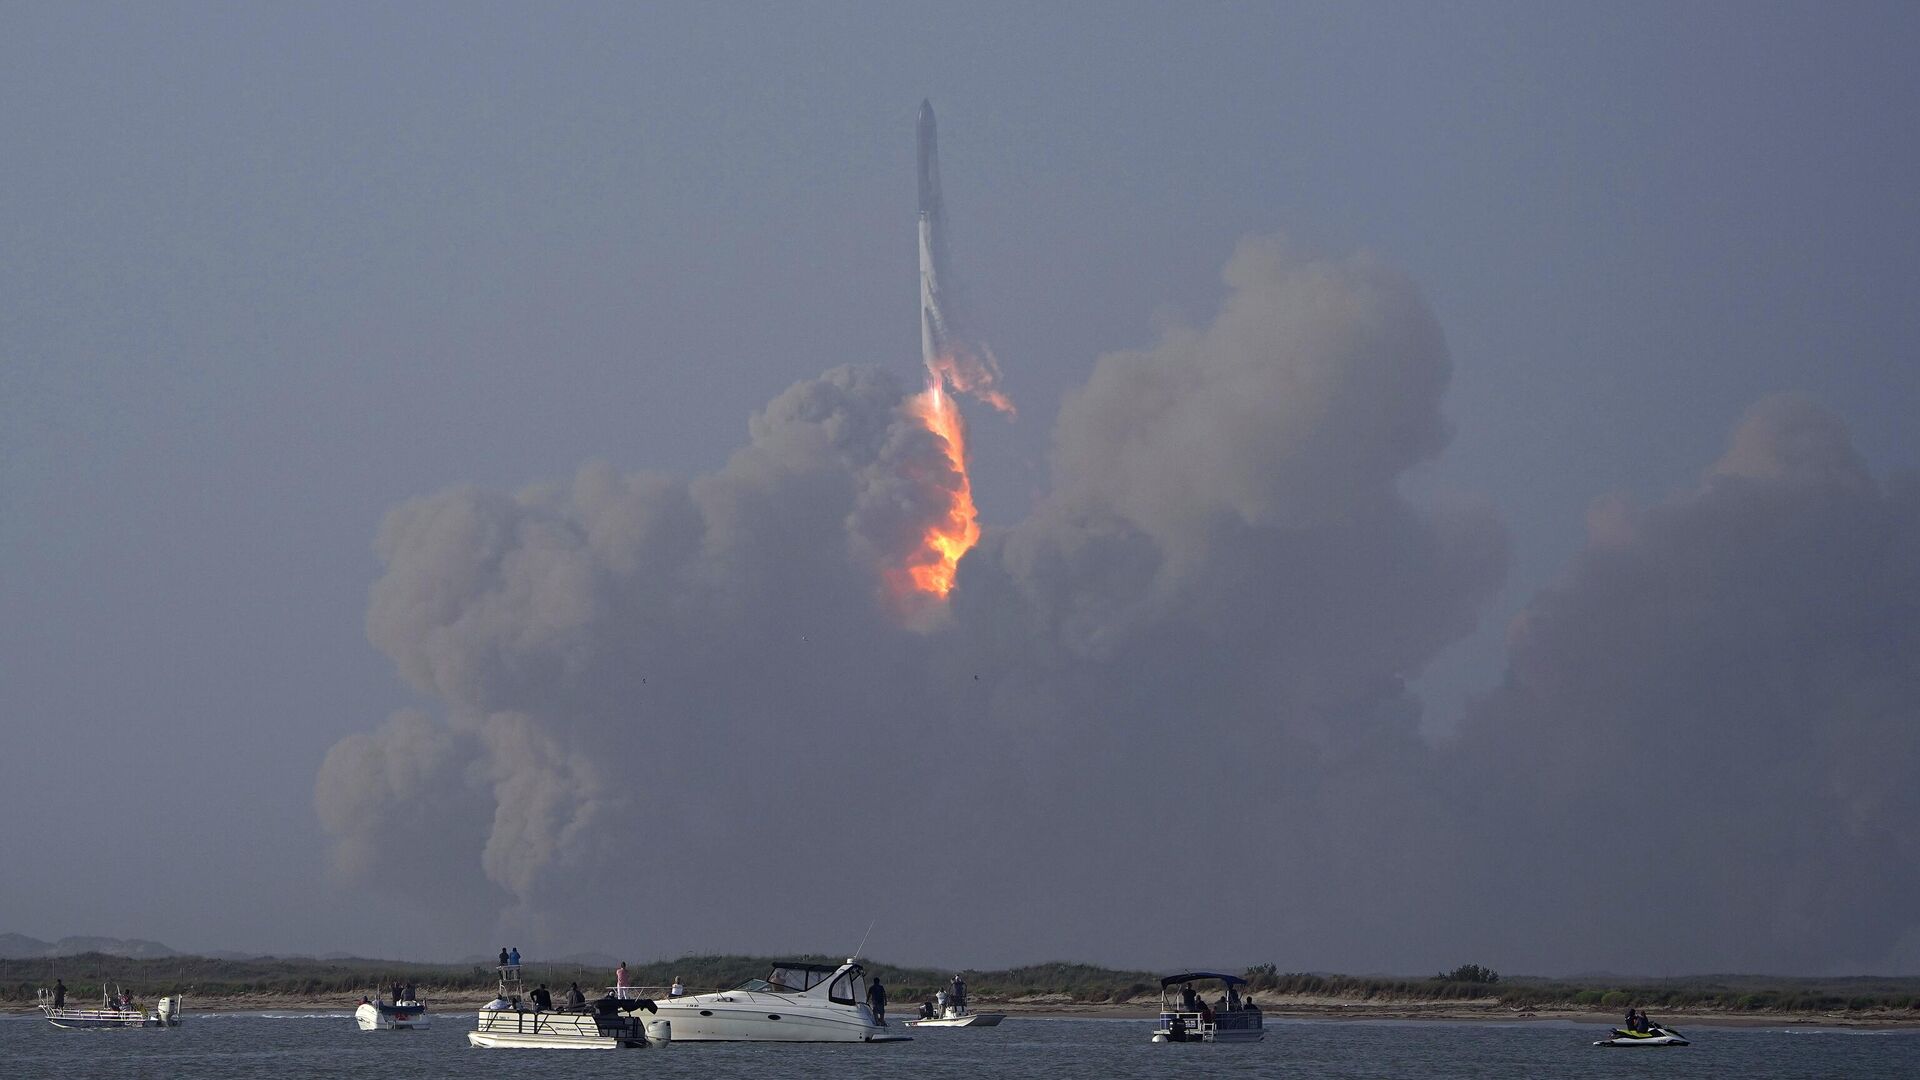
<point x="930" y="571"/>
<point x="974" y="374"/>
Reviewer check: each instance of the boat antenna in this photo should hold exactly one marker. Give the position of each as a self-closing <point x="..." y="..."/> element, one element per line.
<point x="865" y="936"/>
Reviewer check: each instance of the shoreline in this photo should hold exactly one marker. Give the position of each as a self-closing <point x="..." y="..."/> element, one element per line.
<point x="1286" y="1009"/>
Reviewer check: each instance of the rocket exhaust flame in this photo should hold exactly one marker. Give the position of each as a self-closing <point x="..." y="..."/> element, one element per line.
<point x="956" y="364"/>
<point x="930" y="571"/>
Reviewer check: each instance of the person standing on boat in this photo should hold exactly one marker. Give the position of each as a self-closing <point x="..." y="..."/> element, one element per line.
<point x="59" y="994"/>
<point x="513" y="958"/>
<point x="503" y="956"/>
<point x="620" y="981"/>
<point x="542" y="999"/>
<point x="575" y="998"/>
<point x="940" y="999"/>
<point x="959" y="994"/>
<point x="877" y="1000"/>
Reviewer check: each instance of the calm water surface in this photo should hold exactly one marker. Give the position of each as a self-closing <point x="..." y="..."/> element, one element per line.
<point x="328" y="1045"/>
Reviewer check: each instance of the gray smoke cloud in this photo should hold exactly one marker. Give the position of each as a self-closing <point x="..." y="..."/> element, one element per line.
<point x="1177" y="686"/>
<point x="701" y="682"/>
<point x="1708" y="738"/>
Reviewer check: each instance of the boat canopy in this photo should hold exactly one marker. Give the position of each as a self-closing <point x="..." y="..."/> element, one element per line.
<point x="1196" y="976"/>
<point x="792" y="976"/>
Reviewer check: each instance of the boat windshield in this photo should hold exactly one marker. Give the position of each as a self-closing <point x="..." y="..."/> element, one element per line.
<point x="849" y="989"/>
<point x="789" y="979"/>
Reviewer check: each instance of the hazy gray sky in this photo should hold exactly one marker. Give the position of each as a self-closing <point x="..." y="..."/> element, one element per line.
<point x="1401" y="466"/>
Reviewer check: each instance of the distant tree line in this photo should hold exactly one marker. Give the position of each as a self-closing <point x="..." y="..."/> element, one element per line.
<point x="210" y="980"/>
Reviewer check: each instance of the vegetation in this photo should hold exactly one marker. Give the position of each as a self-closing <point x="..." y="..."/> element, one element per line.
<point x="210" y="980"/>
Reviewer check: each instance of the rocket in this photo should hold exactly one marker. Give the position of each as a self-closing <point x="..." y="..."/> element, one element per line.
<point x="927" y="135"/>
<point x="955" y="355"/>
<point x="933" y="328"/>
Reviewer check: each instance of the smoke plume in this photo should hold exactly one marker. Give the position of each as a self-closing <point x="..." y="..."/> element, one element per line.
<point x="1177" y="687"/>
<point x="1710" y="730"/>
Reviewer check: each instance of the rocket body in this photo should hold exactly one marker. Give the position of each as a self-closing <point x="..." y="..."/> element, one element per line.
<point x="932" y="331"/>
<point x="927" y="137"/>
<point x="933" y="328"/>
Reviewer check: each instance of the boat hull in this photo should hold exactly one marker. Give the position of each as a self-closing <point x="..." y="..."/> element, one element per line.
<point x="961" y="1020"/>
<point x="756" y="1017"/>
<point x="1232" y="1027"/>
<point x="379" y="1016"/>
<point x="535" y="1030"/>
<point x="1623" y="1038"/>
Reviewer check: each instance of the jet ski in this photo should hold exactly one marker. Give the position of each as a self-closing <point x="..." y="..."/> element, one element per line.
<point x="1653" y="1036"/>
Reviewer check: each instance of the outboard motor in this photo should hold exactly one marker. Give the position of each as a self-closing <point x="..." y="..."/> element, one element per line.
<point x="659" y="1032"/>
<point x="165" y="1011"/>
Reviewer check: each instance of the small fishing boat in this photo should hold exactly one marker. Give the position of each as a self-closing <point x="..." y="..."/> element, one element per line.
<point x="116" y="1010"/>
<point x="953" y="1016"/>
<point x="1185" y="1015"/>
<point x="511" y="1021"/>
<point x="407" y="1014"/>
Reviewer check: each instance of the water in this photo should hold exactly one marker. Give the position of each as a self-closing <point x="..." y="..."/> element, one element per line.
<point x="326" y="1044"/>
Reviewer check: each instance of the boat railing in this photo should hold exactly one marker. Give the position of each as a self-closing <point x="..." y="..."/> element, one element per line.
<point x="1236" y="1019"/>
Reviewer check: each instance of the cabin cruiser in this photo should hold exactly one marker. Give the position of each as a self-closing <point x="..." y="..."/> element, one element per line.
<point x="796" y="1002"/>
<point x="1655" y="1035"/>
<point x="511" y="1020"/>
<point x="401" y="1014"/>
<point x="1185" y="1015"/>
<point x="116" y="1010"/>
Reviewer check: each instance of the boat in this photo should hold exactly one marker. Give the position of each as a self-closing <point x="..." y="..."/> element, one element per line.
<point x="1656" y="1035"/>
<point x="796" y="1002"/>
<point x="959" y="1016"/>
<point x="116" y="1010"/>
<point x="1185" y="1015"/>
<point x="512" y="1021"/>
<point x="406" y="1014"/>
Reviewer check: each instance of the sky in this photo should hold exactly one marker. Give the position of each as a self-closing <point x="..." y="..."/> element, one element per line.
<point x="1461" y="506"/>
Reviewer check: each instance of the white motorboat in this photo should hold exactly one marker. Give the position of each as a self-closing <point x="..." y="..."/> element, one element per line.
<point x="1185" y="1016"/>
<point x="956" y="1017"/>
<point x="796" y="1002"/>
<point x="116" y="1010"/>
<point x="405" y="1015"/>
<point x="612" y="1023"/>
<point x="1653" y="1036"/>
